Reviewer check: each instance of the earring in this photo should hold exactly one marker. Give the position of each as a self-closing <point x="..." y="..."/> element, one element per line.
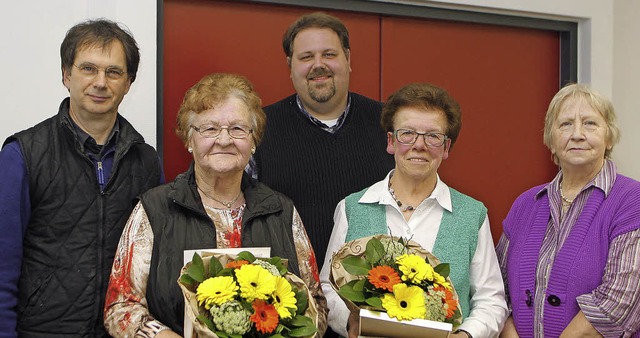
<point x="253" y="151"/>
<point x="190" y="150"/>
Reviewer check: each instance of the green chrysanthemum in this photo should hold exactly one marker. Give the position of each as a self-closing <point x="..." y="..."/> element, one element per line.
<point x="255" y="282"/>
<point x="393" y="250"/>
<point x="270" y="267"/>
<point x="216" y="290"/>
<point x="284" y="298"/>
<point x="405" y="303"/>
<point x="414" y="269"/>
<point x="435" y="309"/>
<point x="231" y="317"/>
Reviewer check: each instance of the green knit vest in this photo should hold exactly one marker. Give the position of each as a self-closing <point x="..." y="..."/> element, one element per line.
<point x="455" y="243"/>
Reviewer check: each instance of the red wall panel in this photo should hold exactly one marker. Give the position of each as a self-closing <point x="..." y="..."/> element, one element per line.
<point x="503" y="78"/>
<point x="203" y="37"/>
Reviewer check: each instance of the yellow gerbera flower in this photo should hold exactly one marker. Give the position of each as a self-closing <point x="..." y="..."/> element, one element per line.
<point x="438" y="279"/>
<point x="284" y="298"/>
<point x="216" y="290"/>
<point x="255" y="282"/>
<point x="405" y="303"/>
<point x="414" y="269"/>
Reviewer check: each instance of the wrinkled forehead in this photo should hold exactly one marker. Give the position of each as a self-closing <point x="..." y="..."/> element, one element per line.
<point x="231" y="110"/>
<point x="578" y="105"/>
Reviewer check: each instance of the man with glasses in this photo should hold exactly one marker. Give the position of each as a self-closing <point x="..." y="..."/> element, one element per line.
<point x="422" y="123"/>
<point x="323" y="142"/>
<point x="67" y="189"/>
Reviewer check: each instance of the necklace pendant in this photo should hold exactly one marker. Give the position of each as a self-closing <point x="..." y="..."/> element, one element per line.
<point x="393" y="195"/>
<point x="226" y="204"/>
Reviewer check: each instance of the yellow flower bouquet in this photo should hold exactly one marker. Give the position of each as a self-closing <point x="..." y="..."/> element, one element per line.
<point x="396" y="276"/>
<point x="242" y="296"/>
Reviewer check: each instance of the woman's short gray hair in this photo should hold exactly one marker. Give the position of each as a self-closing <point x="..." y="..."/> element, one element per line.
<point x="598" y="102"/>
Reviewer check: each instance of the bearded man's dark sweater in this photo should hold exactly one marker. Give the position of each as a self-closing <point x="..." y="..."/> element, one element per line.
<point x="317" y="169"/>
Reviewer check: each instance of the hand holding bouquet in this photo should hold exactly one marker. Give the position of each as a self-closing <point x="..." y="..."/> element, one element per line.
<point x="243" y="296"/>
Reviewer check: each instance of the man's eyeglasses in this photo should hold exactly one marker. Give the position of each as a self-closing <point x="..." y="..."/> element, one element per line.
<point x="90" y="71"/>
<point x="211" y="131"/>
<point x="407" y="136"/>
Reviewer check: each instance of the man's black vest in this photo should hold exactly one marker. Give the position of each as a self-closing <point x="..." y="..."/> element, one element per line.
<point x="317" y="169"/>
<point x="179" y="222"/>
<point x="74" y="228"/>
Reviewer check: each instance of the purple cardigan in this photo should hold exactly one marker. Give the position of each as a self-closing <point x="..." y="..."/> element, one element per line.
<point x="580" y="263"/>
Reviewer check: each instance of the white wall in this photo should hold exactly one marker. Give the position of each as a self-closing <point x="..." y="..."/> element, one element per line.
<point x="31" y="32"/>
<point x="626" y="88"/>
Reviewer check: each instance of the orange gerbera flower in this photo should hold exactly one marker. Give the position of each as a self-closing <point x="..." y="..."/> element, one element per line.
<point x="384" y="277"/>
<point x="452" y="304"/>
<point x="236" y="264"/>
<point x="265" y="316"/>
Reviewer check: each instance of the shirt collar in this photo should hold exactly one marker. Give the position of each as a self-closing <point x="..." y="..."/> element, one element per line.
<point x="604" y="180"/>
<point x="85" y="139"/>
<point x="379" y="193"/>
<point x="319" y="123"/>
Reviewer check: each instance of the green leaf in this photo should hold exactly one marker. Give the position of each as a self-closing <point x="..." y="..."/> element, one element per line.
<point x="215" y="267"/>
<point x="196" y="268"/>
<point x="186" y="280"/>
<point x="443" y="269"/>
<point x="300" y="320"/>
<point x="279" y="263"/>
<point x="206" y="321"/>
<point x="349" y="293"/>
<point x="302" y="302"/>
<point x="374" y="301"/>
<point x="280" y="328"/>
<point x="356" y="265"/>
<point x="303" y="331"/>
<point x="375" y="251"/>
<point x="225" y="272"/>
<point x="359" y="285"/>
<point x="277" y="335"/>
<point x="247" y="256"/>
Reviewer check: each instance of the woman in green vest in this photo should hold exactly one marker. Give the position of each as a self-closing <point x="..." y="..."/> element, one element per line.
<point x="422" y="123"/>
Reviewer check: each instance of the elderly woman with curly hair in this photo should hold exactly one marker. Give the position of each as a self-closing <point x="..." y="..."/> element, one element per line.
<point x="213" y="204"/>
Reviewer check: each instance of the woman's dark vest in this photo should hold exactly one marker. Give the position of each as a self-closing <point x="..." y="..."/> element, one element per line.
<point x="74" y="228"/>
<point x="179" y="222"/>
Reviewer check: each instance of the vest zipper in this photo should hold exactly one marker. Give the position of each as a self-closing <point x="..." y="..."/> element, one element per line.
<point x="100" y="175"/>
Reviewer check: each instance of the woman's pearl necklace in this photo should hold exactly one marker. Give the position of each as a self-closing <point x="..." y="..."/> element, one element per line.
<point x="564" y="199"/>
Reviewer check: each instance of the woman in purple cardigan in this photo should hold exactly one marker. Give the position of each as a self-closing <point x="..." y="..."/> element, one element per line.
<point x="570" y="251"/>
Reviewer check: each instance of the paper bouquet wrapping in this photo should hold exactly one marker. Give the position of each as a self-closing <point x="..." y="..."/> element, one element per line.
<point x="394" y="282"/>
<point x="241" y="296"/>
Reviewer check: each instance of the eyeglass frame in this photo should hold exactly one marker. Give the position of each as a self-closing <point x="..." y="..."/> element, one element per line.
<point x="96" y="70"/>
<point x="424" y="137"/>
<point x="200" y="131"/>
